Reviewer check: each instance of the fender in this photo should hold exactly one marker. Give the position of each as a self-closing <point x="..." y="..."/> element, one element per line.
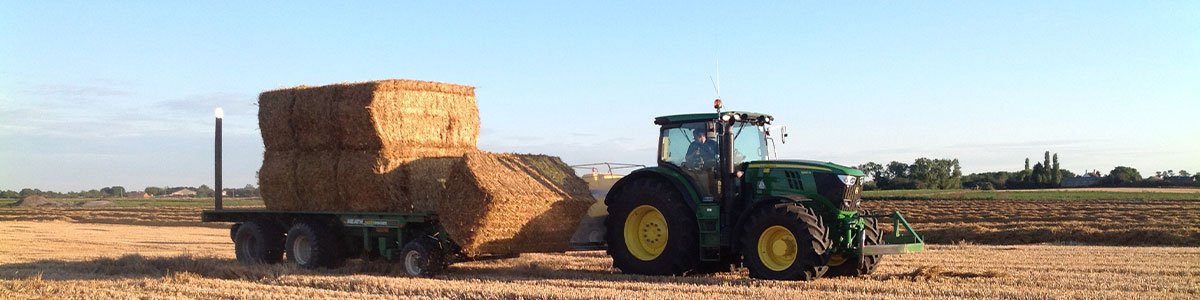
<point x="682" y="183"/>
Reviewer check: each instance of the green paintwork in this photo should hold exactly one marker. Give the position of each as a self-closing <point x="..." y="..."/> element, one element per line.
<point x="813" y="165"/>
<point x="693" y="194"/>
<point x="684" y="118"/>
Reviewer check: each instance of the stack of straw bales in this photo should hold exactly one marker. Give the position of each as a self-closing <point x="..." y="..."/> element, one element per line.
<point x="410" y="146"/>
<point x="508" y="203"/>
<point x="350" y="147"/>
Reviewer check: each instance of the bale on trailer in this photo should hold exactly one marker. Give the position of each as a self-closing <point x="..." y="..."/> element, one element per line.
<point x="275" y="119"/>
<point x="313" y="118"/>
<point x="316" y="180"/>
<point x="405" y="114"/>
<point x="508" y="203"/>
<point x="277" y="180"/>
<point x="425" y="180"/>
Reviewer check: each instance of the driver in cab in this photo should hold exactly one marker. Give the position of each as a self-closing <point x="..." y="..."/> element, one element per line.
<point x="702" y="153"/>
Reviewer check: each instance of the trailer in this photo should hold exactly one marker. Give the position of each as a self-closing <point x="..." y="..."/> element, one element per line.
<point x="317" y="239"/>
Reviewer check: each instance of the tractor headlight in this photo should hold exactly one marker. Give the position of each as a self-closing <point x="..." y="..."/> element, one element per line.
<point x="847" y="179"/>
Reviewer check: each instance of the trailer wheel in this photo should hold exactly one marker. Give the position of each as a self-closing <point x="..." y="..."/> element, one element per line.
<point x="786" y="242"/>
<point x="651" y="231"/>
<point x="233" y="231"/>
<point x="311" y="245"/>
<point x="860" y="264"/>
<point x="422" y="257"/>
<point x="258" y="241"/>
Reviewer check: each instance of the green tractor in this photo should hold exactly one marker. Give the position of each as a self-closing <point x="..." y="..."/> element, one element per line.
<point x="716" y="199"/>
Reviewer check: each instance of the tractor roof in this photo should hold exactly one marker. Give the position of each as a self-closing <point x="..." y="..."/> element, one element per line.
<point x="705" y="116"/>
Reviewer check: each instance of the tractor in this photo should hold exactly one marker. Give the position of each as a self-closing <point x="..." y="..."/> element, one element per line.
<point x="717" y="199"/>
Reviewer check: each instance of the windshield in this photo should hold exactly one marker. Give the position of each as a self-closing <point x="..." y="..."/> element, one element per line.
<point x="748" y="143"/>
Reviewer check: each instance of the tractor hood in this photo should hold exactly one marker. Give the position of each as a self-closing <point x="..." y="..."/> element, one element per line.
<point x="813" y="165"/>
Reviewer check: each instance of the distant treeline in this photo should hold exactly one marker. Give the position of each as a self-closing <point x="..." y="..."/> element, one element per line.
<point x="926" y="173"/>
<point x="120" y="192"/>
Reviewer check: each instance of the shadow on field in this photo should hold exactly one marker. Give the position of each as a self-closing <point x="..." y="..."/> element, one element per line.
<point x="516" y="269"/>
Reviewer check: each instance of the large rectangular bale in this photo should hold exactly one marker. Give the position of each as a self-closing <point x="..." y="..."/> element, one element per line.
<point x="369" y="181"/>
<point x="401" y="114"/>
<point x="425" y="180"/>
<point x="275" y="119"/>
<point x="508" y="203"/>
<point x="313" y="118"/>
<point x="316" y="180"/>
<point x="277" y="180"/>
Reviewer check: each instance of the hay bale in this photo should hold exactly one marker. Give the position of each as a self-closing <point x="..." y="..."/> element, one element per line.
<point x="394" y="115"/>
<point x="316" y="180"/>
<point x="425" y="180"/>
<point x="277" y="180"/>
<point x="506" y="203"/>
<point x="367" y="181"/>
<point x="275" y="119"/>
<point x="313" y="118"/>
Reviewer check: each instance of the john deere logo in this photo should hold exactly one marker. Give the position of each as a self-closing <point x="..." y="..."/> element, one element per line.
<point x="856" y="190"/>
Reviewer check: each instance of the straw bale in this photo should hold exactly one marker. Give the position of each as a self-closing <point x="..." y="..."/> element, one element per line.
<point x="508" y="203"/>
<point x="425" y="180"/>
<point x="316" y="180"/>
<point x="313" y="118"/>
<point x="368" y="181"/>
<point x="399" y="114"/>
<point x="277" y="180"/>
<point x="275" y="119"/>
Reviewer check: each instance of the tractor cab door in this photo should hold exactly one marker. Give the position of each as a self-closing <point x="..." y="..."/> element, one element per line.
<point x="692" y="147"/>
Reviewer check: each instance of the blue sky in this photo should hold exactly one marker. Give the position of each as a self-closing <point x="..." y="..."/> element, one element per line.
<point x="97" y="94"/>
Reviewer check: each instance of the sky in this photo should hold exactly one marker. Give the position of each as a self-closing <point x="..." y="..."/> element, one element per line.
<point x="97" y="93"/>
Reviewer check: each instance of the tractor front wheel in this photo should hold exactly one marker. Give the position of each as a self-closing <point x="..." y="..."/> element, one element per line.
<point x="651" y="231"/>
<point x="786" y="242"/>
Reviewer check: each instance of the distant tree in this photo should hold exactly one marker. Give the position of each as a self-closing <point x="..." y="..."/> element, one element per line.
<point x="1067" y="174"/>
<point x="153" y="191"/>
<point x="26" y="192"/>
<point x="118" y="191"/>
<point x="10" y="194"/>
<point x="1056" y="172"/>
<point x="1123" y="175"/>
<point x="204" y="191"/>
<point x="1184" y="173"/>
<point x="1026" y="164"/>
<point x="871" y="169"/>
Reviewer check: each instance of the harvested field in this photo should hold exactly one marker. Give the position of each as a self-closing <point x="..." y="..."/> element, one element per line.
<point x="87" y="261"/>
<point x="1098" y="222"/>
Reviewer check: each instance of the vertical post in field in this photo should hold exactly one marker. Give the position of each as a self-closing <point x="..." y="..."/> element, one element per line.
<point x="220" y="114"/>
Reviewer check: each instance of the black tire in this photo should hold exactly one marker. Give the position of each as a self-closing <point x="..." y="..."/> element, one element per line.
<point x="233" y="231"/>
<point x="806" y="230"/>
<point x="258" y="242"/>
<point x="861" y="264"/>
<point x="422" y="257"/>
<point x="679" y="255"/>
<point x="311" y="245"/>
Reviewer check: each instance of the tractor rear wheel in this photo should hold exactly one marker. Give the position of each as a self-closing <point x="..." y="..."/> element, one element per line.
<point x="651" y="231"/>
<point x="786" y="242"/>
<point x="860" y="264"/>
<point x="258" y="241"/>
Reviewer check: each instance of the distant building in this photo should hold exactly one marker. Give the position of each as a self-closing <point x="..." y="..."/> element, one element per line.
<point x="1092" y="178"/>
<point x="183" y="193"/>
<point x="137" y="194"/>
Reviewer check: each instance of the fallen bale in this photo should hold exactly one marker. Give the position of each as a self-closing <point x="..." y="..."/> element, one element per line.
<point x="509" y="203"/>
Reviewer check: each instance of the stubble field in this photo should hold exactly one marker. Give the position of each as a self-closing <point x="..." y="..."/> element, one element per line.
<point x="1016" y="248"/>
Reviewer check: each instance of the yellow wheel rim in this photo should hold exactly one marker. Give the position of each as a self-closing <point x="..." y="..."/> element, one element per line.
<point x="777" y="248"/>
<point x="836" y="260"/>
<point x="645" y="232"/>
